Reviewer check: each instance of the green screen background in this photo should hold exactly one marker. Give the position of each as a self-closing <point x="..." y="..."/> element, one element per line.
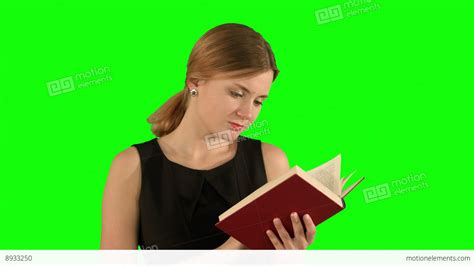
<point x="390" y="89"/>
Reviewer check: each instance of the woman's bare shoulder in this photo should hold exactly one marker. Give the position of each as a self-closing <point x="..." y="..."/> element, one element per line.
<point x="126" y="165"/>
<point x="120" y="202"/>
<point x="275" y="160"/>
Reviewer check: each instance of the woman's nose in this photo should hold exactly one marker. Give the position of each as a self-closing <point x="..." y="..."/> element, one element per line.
<point x="244" y="115"/>
<point x="245" y="111"/>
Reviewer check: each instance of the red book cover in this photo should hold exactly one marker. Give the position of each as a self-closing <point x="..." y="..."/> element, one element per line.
<point x="296" y="190"/>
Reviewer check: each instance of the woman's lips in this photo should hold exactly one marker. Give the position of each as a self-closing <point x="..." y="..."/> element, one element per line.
<point x="236" y="126"/>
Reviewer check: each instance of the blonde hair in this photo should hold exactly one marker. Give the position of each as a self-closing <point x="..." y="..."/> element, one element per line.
<point x="231" y="49"/>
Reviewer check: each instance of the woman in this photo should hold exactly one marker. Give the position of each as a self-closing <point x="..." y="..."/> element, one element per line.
<point x="167" y="193"/>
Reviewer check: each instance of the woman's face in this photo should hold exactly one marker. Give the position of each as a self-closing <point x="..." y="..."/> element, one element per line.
<point x="223" y="100"/>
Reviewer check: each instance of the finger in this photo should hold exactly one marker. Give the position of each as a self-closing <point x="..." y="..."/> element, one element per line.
<point x="274" y="239"/>
<point x="310" y="228"/>
<point x="297" y="226"/>
<point x="285" y="237"/>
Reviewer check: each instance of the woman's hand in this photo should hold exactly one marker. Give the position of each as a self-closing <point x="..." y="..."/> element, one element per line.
<point x="301" y="240"/>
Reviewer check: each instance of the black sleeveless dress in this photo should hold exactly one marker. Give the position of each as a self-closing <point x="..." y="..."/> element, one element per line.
<point x="179" y="206"/>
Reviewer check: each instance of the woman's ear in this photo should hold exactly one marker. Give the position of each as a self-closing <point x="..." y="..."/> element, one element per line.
<point x="193" y="83"/>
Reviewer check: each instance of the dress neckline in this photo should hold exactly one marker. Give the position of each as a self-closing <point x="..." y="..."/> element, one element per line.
<point x="223" y="165"/>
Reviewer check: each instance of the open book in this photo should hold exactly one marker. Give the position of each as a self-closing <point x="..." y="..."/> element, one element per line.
<point x="318" y="192"/>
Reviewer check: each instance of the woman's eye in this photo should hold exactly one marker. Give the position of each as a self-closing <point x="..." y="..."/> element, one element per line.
<point x="235" y="94"/>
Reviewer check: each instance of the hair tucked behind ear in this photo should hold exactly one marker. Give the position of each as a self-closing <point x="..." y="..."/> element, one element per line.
<point x="233" y="49"/>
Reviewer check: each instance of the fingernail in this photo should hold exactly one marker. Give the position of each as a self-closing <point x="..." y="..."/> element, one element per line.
<point x="275" y="220"/>
<point x="294" y="217"/>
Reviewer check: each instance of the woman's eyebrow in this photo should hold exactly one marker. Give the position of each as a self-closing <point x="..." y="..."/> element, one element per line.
<point x="245" y="89"/>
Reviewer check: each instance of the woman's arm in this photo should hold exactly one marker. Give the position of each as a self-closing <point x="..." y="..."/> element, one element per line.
<point x="120" y="202"/>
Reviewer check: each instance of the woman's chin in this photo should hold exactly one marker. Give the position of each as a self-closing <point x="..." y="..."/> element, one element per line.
<point x="223" y="136"/>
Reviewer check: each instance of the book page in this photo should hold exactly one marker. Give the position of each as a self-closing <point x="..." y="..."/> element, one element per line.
<point x="329" y="174"/>
<point x="349" y="189"/>
<point x="327" y="179"/>
<point x="344" y="180"/>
